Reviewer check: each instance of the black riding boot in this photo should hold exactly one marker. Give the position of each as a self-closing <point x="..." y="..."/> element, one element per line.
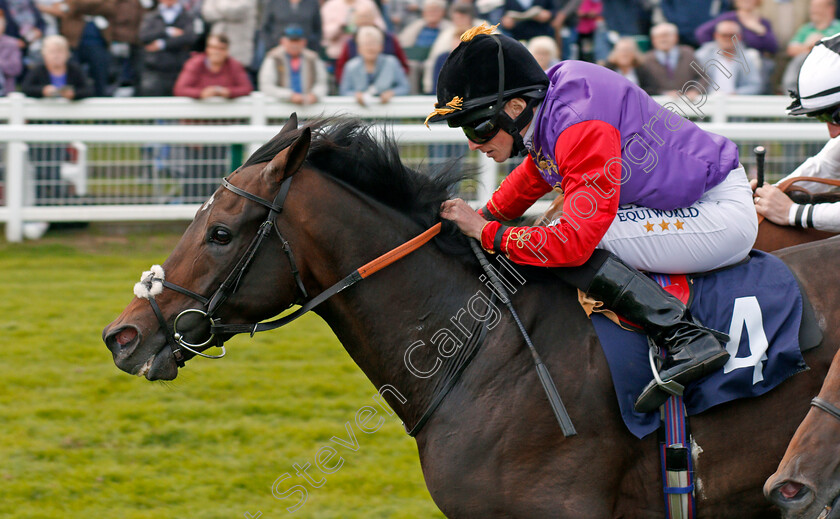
<point x="693" y="351"/>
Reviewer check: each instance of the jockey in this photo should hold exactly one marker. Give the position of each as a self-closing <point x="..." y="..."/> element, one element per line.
<point x="644" y="188"/>
<point x="817" y="96"/>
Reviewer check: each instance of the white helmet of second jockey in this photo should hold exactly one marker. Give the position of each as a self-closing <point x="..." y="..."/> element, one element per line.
<point x="817" y="92"/>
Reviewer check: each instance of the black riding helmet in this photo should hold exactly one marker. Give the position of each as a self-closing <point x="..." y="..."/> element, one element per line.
<point x="483" y="73"/>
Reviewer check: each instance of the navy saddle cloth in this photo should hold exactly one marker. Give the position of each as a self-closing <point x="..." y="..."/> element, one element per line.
<point x="758" y="303"/>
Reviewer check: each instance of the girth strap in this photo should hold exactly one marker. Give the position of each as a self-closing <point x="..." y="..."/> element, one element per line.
<point x="826" y="406"/>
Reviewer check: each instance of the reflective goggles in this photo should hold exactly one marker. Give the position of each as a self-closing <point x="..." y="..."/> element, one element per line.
<point x="482" y="131"/>
<point x="832" y="117"/>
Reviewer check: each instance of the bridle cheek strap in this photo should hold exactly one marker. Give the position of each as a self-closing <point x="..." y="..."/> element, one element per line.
<point x="275" y="208"/>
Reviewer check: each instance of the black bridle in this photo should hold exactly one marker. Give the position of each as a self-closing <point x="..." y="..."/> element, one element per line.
<point x="175" y="339"/>
<point x="828" y="407"/>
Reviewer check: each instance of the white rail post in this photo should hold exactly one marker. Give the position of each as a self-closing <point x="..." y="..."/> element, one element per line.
<point x="15" y="163"/>
<point x="258" y="118"/>
<point x="15" y="167"/>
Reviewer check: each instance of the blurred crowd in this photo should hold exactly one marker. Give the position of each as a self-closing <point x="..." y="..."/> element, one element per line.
<point x="302" y="50"/>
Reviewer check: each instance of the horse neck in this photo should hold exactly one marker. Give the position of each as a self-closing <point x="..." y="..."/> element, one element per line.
<point x="379" y="318"/>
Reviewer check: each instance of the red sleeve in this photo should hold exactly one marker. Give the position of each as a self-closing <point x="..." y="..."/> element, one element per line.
<point x="591" y="202"/>
<point x="240" y="83"/>
<point x="189" y="80"/>
<point x="517" y="192"/>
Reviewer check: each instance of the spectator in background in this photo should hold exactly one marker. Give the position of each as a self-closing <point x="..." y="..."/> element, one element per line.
<point x="11" y="61"/>
<point x="668" y="63"/>
<point x="626" y="59"/>
<point x="292" y="73"/>
<point x="87" y="26"/>
<point x="418" y="37"/>
<point x="463" y="19"/>
<point x="56" y="76"/>
<point x="589" y="16"/>
<point x="167" y="34"/>
<point x="728" y="75"/>
<point x="526" y="19"/>
<point x="236" y="19"/>
<point x="24" y="22"/>
<point x="366" y="17"/>
<point x="402" y="13"/>
<point x="213" y="73"/>
<point x="490" y="11"/>
<point x="339" y="24"/>
<point x="372" y="73"/>
<point x="125" y="46"/>
<point x="628" y="17"/>
<point x="545" y="51"/>
<point x="279" y="14"/>
<point x="687" y="15"/>
<point x="823" y="23"/>
<point x="757" y="31"/>
<point x="565" y="23"/>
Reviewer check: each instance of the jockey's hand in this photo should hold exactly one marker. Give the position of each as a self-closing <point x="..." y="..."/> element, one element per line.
<point x="459" y="212"/>
<point x="773" y="204"/>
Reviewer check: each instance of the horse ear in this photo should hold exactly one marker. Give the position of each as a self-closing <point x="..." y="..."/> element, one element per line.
<point x="287" y="162"/>
<point x="291" y="124"/>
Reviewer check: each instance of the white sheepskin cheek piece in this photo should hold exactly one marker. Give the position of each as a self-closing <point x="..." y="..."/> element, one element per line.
<point x="150" y="284"/>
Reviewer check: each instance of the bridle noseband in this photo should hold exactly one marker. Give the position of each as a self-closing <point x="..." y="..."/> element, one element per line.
<point x="177" y="340"/>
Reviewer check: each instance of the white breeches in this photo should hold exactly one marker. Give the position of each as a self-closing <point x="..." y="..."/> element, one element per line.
<point x="717" y="231"/>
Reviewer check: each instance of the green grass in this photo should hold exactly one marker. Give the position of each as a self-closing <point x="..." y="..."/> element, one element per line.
<point x="81" y="439"/>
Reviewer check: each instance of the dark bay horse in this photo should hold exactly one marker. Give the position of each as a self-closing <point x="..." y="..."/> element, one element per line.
<point x="807" y="482"/>
<point x="773" y="237"/>
<point x="493" y="448"/>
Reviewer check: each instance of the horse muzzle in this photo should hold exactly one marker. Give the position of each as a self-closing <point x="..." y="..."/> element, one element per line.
<point x="132" y="354"/>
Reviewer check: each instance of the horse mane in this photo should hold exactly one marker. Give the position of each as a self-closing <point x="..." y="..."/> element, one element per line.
<point x="357" y="154"/>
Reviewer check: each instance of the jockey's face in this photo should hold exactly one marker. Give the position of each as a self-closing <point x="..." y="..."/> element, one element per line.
<point x="833" y="129"/>
<point x="500" y="147"/>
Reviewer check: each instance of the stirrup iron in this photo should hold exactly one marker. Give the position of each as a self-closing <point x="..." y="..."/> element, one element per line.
<point x="672" y="387"/>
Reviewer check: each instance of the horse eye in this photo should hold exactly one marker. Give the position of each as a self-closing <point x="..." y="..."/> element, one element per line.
<point x="220" y="235"/>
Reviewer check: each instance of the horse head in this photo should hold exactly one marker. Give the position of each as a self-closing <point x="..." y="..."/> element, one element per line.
<point x="233" y="264"/>
<point x="807" y="482"/>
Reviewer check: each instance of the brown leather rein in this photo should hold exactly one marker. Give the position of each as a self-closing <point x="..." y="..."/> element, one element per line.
<point x="788" y="185"/>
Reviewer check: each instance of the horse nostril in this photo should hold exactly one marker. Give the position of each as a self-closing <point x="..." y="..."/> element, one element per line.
<point x="123" y="340"/>
<point x="126" y="335"/>
<point x="790" y="489"/>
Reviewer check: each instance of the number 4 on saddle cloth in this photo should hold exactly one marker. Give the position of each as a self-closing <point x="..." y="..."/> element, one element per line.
<point x="757" y="302"/>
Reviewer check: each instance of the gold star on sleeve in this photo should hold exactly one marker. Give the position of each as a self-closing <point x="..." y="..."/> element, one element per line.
<point x="679" y="225"/>
<point x="648" y="226"/>
<point x="664" y="225"/>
